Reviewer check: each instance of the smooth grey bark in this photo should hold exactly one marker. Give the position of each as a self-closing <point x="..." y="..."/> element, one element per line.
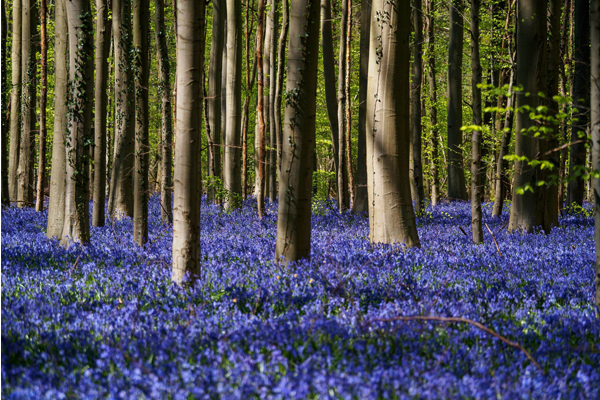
<point x="233" y="135"/>
<point x="215" y="72"/>
<point x="456" y="173"/>
<point x="435" y="181"/>
<point x="28" y="106"/>
<point x="56" y="205"/>
<point x="528" y="209"/>
<point x="279" y="80"/>
<point x="476" y="135"/>
<point x="595" y="127"/>
<point x="187" y="177"/>
<point x="295" y="181"/>
<point x="581" y="96"/>
<point x="391" y="214"/>
<point x="330" y="80"/>
<point x="166" y="124"/>
<point x="41" y="178"/>
<point x="361" y="196"/>
<point x="348" y="137"/>
<point x="260" y="111"/>
<point x="272" y="153"/>
<point x="81" y="72"/>
<point x="416" y="162"/>
<point x="15" y="100"/>
<point x="3" y="116"/>
<point x="342" y="176"/>
<point x="120" y="200"/>
<point x="141" y="188"/>
<point x="101" y="99"/>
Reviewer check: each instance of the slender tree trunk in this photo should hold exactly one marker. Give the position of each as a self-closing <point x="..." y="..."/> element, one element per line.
<point x="476" y="213"/>
<point x="81" y="72"/>
<point x="342" y="176"/>
<point x="595" y="127"/>
<point x="260" y="193"/>
<point x="15" y="100"/>
<point x="4" y="114"/>
<point x="56" y="205"/>
<point x="361" y="197"/>
<point x="232" y="172"/>
<point x="416" y="170"/>
<point x="391" y="214"/>
<point x="28" y="99"/>
<point x="329" y="78"/>
<point x="101" y="99"/>
<point x="188" y="182"/>
<point x="581" y="95"/>
<point x="214" y="94"/>
<point x="456" y="174"/>
<point x="251" y="78"/>
<point x="41" y="181"/>
<point x="348" y="108"/>
<point x="295" y="183"/>
<point x="528" y="204"/>
<point x="564" y="50"/>
<point x="274" y="18"/>
<point x="435" y="184"/>
<point x="279" y="81"/>
<point x="141" y="189"/>
<point x="121" y="193"/>
<point x="166" y="127"/>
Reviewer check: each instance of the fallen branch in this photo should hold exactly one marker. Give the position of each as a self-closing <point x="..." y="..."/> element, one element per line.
<point x="494" y="237"/>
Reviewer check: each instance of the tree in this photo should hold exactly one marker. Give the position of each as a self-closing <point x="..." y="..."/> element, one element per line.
<point x="595" y="125"/>
<point x="456" y="174"/>
<point x="141" y="16"/>
<point x="260" y="111"/>
<point x="15" y="100"/>
<point x="187" y="177"/>
<point x="476" y="184"/>
<point x="342" y="177"/>
<point x="120" y="200"/>
<point x="231" y="164"/>
<point x="279" y="81"/>
<point x="416" y="163"/>
<point x="295" y="180"/>
<point x="39" y="203"/>
<point x="391" y="214"/>
<point x="56" y="205"/>
<point x="272" y="22"/>
<point x="81" y="72"/>
<point x="101" y="99"/>
<point x="166" y="127"/>
<point x="4" y="113"/>
<point x="435" y="185"/>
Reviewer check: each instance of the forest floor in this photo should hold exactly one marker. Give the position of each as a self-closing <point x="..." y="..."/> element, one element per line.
<point x="104" y="321"/>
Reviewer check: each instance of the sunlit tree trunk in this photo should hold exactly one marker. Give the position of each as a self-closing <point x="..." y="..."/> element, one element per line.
<point x="435" y="180"/>
<point x="342" y="176"/>
<point x="476" y="184"/>
<point x="295" y="182"/>
<point x="279" y="80"/>
<point x="81" y="72"/>
<point x="5" y="111"/>
<point x="416" y="170"/>
<point x="187" y="177"/>
<point x="391" y="214"/>
<point x="272" y="153"/>
<point x="260" y="110"/>
<point x="595" y="125"/>
<point x="15" y="100"/>
<point x="41" y="180"/>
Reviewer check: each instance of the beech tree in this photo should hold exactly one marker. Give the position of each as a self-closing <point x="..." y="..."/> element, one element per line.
<point x="295" y="180"/>
<point x="435" y="189"/>
<point x="41" y="181"/>
<point x="4" y="111"/>
<point x="391" y="213"/>
<point x="342" y="182"/>
<point x="595" y="125"/>
<point x="476" y="189"/>
<point x="416" y="163"/>
<point x="15" y="100"/>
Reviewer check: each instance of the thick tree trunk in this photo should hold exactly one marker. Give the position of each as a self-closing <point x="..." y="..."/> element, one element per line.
<point x="391" y="214"/>
<point x="141" y="189"/>
<point x="416" y="163"/>
<point x="361" y="197"/>
<point x="4" y="113"/>
<point x="581" y="95"/>
<point x="435" y="180"/>
<point x="528" y="205"/>
<point x="214" y="95"/>
<point x="274" y="18"/>
<point x="56" y="206"/>
<point x="456" y="173"/>
<point x="260" y="192"/>
<point x="295" y="182"/>
<point x="595" y="127"/>
<point x="279" y="80"/>
<point x="342" y="176"/>
<point x="188" y="182"/>
<point x="28" y="97"/>
<point x="232" y="171"/>
<point x="41" y="181"/>
<point x="120" y="201"/>
<point x="81" y="72"/>
<point x="15" y="100"/>
<point x="476" y="185"/>
<point x="166" y="127"/>
<point x="101" y="99"/>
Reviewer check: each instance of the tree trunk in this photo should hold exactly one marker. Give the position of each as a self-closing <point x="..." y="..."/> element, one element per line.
<point x="435" y="180"/>
<point x="232" y="172"/>
<point x="391" y="214"/>
<point x="81" y="72"/>
<point x="342" y="181"/>
<point x="141" y="189"/>
<point x="28" y="97"/>
<point x="295" y="182"/>
<point x="4" y="114"/>
<point x="274" y="18"/>
<point x="348" y="108"/>
<point x="188" y="182"/>
<point x="595" y="127"/>
<point x="329" y="78"/>
<point x="15" y="100"/>
<point x="476" y="188"/>
<point x="279" y="81"/>
<point x="528" y="204"/>
<point x="214" y="95"/>
<point x="101" y="99"/>
<point x="41" y="181"/>
<point x="456" y="174"/>
<point x="251" y="78"/>
<point x="120" y="201"/>
<point x="416" y="170"/>
<point x="56" y="206"/>
<point x="361" y="196"/>
<point x="581" y="95"/>
<point x="260" y="192"/>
